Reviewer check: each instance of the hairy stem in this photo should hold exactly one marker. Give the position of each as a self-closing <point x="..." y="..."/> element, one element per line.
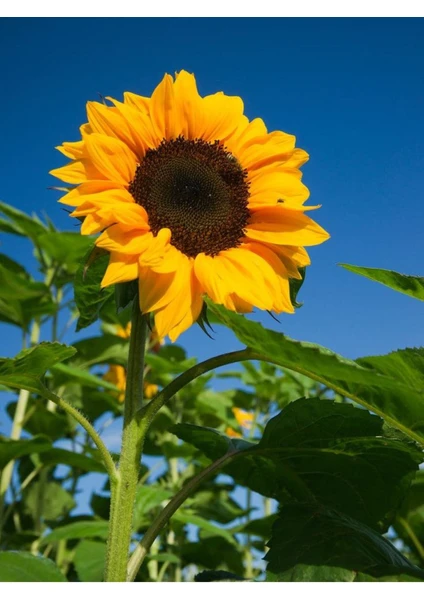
<point x="162" y="519"/>
<point x="134" y="430"/>
<point x="85" y="423"/>
<point x="150" y="410"/>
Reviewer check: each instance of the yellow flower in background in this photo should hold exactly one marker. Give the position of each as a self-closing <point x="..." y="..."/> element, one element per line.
<point x="117" y="374"/>
<point x="150" y="389"/>
<point x="232" y="432"/>
<point x="124" y="332"/>
<point x="193" y="199"/>
<point x="243" y="418"/>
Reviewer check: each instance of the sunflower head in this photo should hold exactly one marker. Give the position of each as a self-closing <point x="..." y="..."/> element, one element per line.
<point x="191" y="199"/>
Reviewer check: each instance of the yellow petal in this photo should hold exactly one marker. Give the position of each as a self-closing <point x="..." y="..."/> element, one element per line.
<point x="292" y="258"/>
<point x="170" y="261"/>
<point x="212" y="277"/>
<point x="117" y="239"/>
<point x="240" y="305"/>
<point x="257" y="277"/>
<point x="97" y="192"/>
<point x="279" y="225"/>
<point x="163" y="110"/>
<point x="189" y="105"/>
<point x="156" y="290"/>
<point x="153" y="254"/>
<point x="183" y="310"/>
<point x="222" y="116"/>
<point x="233" y="274"/>
<point x="142" y="131"/>
<point x="92" y="224"/>
<point x="273" y="147"/>
<point x="140" y="103"/>
<point x="276" y="277"/>
<point x="109" y="121"/>
<point x="278" y="186"/>
<point x="73" y="150"/>
<point x="111" y="157"/>
<point x="77" y="171"/>
<point x="120" y="270"/>
<point x="247" y="135"/>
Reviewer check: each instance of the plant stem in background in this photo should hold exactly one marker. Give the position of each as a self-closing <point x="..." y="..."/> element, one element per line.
<point x="134" y="430"/>
<point x="162" y="519"/>
<point x="17" y="427"/>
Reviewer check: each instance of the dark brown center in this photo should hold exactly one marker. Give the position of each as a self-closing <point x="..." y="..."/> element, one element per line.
<point x="196" y="189"/>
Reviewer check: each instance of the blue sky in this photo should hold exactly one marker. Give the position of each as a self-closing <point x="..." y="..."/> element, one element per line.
<point x="351" y="90"/>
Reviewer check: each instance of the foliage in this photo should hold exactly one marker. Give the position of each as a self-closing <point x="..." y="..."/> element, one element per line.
<point x="295" y="455"/>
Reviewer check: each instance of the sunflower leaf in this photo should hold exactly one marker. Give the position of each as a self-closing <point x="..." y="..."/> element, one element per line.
<point x="26" y="370"/>
<point x="89" y="296"/>
<point x="318" y="449"/>
<point x="295" y="285"/>
<point x="23" y="566"/>
<point x="379" y="389"/>
<point x="65" y="248"/>
<point x="316" y="543"/>
<point x="20" y="223"/>
<point x="405" y="284"/>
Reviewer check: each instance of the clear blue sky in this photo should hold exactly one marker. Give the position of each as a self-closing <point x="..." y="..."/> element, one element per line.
<point x="351" y="90"/>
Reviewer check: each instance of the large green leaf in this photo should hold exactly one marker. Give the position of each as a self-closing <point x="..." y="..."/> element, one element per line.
<point x="187" y="517"/>
<point x="76" y="531"/>
<point x="333" y="453"/>
<point x="214" y="504"/>
<point x="148" y="498"/>
<point x="22" y="298"/>
<point x="16" y="284"/>
<point x="71" y="374"/>
<point x="65" y="248"/>
<point x="59" y="456"/>
<point x="89" y="560"/>
<point x="89" y="296"/>
<point x="39" y="420"/>
<point x="406" y="284"/>
<point x="399" y="402"/>
<point x="20" y="223"/>
<point x="26" y="370"/>
<point x="319" y="537"/>
<point x="105" y="349"/>
<point x="53" y="500"/>
<point x="409" y="522"/>
<point x="23" y="566"/>
<point x="12" y="449"/>
<point x="212" y="552"/>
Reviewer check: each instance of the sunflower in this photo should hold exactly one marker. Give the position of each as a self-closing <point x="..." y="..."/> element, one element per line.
<point x="193" y="200"/>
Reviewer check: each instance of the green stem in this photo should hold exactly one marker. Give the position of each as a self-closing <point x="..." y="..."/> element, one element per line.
<point x="248" y="550"/>
<point x="149" y="411"/>
<point x="73" y="412"/>
<point x="418" y="546"/>
<point x="267" y="507"/>
<point x="17" y="426"/>
<point x="162" y="519"/>
<point x="134" y="430"/>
